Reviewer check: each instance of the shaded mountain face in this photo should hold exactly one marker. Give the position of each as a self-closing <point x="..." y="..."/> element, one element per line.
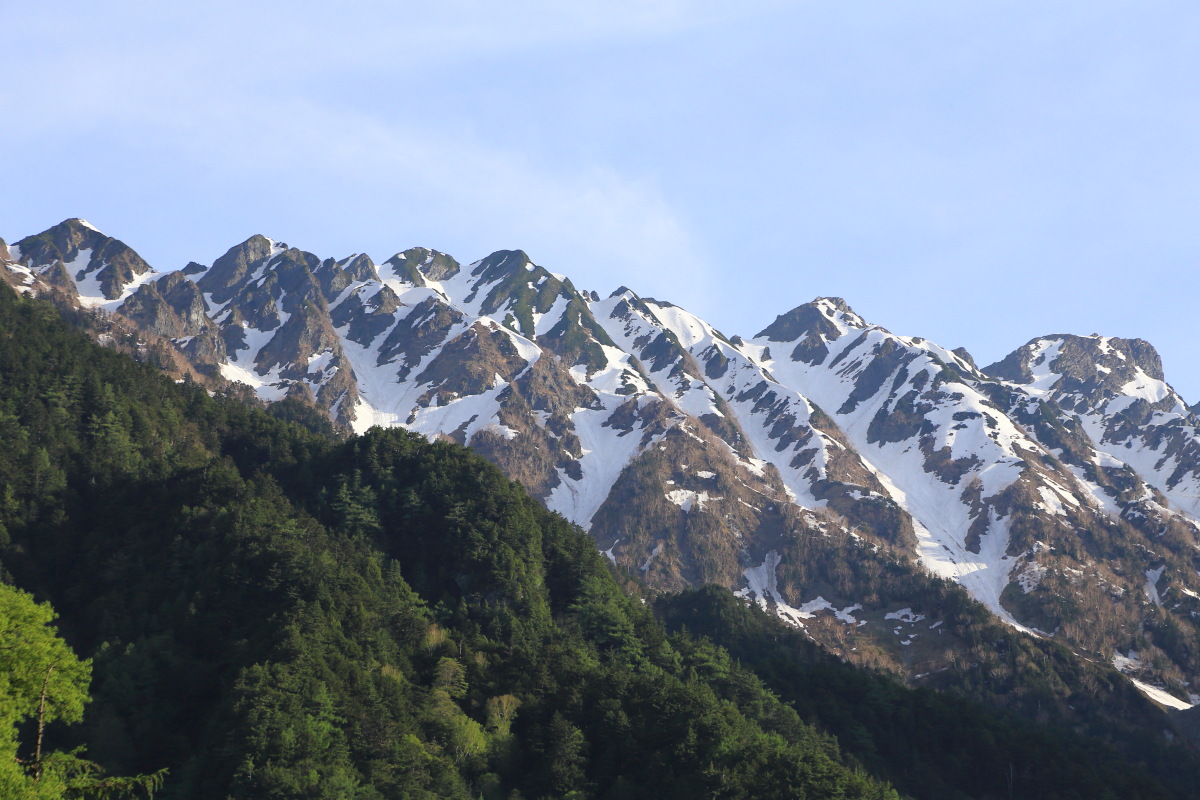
<point x="1060" y="486"/>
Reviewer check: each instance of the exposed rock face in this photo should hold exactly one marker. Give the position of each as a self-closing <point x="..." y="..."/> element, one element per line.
<point x="81" y="261"/>
<point x="1060" y="486"/>
<point x="1117" y="391"/>
<point x="172" y="307"/>
<point x="233" y="271"/>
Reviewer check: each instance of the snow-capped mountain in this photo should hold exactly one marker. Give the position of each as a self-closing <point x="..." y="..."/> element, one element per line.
<point x="94" y="270"/>
<point x="1117" y="391"/>
<point x="1060" y="486"/>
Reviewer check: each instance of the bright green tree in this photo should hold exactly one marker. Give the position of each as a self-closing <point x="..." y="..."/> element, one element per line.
<point x="42" y="681"/>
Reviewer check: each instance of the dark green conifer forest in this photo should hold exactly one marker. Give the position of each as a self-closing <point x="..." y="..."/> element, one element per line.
<point x="265" y="610"/>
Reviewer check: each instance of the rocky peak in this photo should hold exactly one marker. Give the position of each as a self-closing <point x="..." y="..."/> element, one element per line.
<point x="1091" y="369"/>
<point x="1017" y="366"/>
<point x="19" y="277"/>
<point x="184" y="298"/>
<point x="626" y="299"/>
<point x="334" y="276"/>
<point x="525" y="297"/>
<point x="836" y="305"/>
<point x="421" y="261"/>
<point x="63" y="242"/>
<point x="501" y="264"/>
<point x="170" y="307"/>
<point x="965" y="355"/>
<point x="828" y="317"/>
<point x="404" y="268"/>
<point x="295" y="272"/>
<point x="1113" y="391"/>
<point x="231" y="271"/>
<point x="360" y="267"/>
<point x="73" y="252"/>
<point x="416" y="265"/>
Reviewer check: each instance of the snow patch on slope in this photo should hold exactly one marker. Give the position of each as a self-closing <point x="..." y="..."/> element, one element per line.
<point x="1152" y="578"/>
<point x="1160" y="696"/>
<point x="763" y="589"/>
<point x="604" y="457"/>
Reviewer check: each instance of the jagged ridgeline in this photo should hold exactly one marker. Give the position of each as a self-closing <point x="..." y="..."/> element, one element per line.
<point x="274" y="612"/>
<point x="826" y="468"/>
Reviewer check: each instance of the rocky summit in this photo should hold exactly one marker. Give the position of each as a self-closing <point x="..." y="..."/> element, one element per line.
<point x="830" y="470"/>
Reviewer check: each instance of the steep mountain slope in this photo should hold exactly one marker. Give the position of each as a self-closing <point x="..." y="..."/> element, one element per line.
<point x="274" y="613"/>
<point x="80" y="261"/>
<point x="996" y="503"/>
<point x="1059" y="487"/>
<point x="1132" y="417"/>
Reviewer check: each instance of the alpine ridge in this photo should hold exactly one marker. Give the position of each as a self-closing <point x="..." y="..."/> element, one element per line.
<point x="826" y="468"/>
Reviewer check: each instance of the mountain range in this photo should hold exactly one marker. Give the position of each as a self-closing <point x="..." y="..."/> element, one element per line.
<point x="839" y="475"/>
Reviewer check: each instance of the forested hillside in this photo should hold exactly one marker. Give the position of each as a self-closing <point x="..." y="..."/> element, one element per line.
<point x="825" y="467"/>
<point x="273" y="612"/>
<point x="263" y="647"/>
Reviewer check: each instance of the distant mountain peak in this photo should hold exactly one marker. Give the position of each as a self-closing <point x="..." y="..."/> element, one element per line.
<point x="501" y="264"/>
<point x="836" y="303"/>
<point x="76" y="224"/>
<point x="63" y="241"/>
<point x="1068" y="362"/>
<point x="80" y="260"/>
<point x="84" y="223"/>
<point x="234" y="268"/>
<point x="417" y="264"/>
<point x="825" y="316"/>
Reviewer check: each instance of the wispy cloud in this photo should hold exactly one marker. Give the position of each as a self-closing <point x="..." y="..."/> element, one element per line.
<point x="999" y="156"/>
<point x="611" y="227"/>
<point x="220" y="88"/>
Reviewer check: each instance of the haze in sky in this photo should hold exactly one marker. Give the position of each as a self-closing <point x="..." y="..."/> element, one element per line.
<point x="975" y="173"/>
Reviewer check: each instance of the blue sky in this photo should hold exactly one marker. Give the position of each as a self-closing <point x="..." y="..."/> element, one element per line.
<point x="976" y="173"/>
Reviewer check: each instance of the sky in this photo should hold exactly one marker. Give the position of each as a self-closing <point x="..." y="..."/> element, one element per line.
<point x="977" y="173"/>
